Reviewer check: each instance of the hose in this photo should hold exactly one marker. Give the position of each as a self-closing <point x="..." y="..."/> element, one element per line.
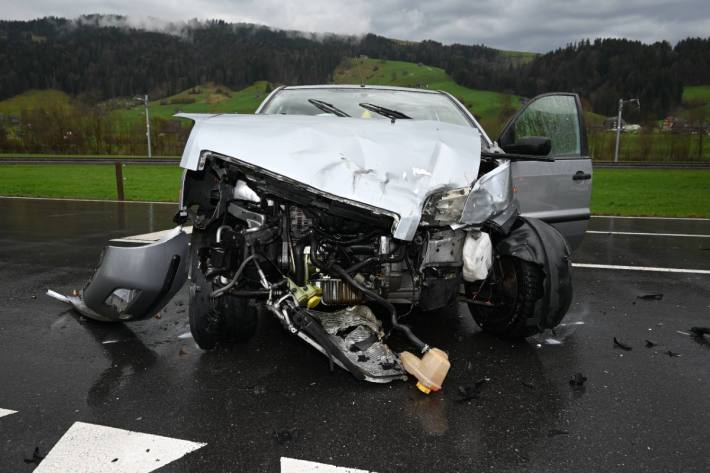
<point x="421" y="346"/>
<point x="218" y="292"/>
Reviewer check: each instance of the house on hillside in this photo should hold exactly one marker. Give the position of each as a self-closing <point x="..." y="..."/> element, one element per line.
<point x="610" y="123"/>
<point x="671" y="123"/>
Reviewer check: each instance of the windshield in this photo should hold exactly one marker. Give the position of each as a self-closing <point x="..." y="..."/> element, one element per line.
<point x="416" y="105"/>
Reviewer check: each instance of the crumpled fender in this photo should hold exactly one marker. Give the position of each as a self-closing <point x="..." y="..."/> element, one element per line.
<point x="537" y="242"/>
<point x="133" y="282"/>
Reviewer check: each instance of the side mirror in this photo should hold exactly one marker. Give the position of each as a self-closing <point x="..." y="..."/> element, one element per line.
<point x="532" y="145"/>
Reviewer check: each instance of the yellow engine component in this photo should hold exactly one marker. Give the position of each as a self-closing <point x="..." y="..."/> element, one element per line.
<point x="308" y="295"/>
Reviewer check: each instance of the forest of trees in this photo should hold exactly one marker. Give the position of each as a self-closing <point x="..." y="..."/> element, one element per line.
<point x="99" y="62"/>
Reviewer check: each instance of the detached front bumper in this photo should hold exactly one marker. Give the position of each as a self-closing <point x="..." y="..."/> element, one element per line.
<point x="133" y="283"/>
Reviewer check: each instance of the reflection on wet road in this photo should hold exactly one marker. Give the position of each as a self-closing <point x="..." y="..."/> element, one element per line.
<point x="505" y="406"/>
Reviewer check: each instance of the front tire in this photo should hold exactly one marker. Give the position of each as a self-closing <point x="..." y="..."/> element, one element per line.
<point x="212" y="321"/>
<point x="516" y="287"/>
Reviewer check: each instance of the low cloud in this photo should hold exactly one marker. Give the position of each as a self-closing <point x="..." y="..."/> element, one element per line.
<point x="529" y="25"/>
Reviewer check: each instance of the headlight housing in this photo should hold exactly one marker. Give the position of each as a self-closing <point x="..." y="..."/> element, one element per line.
<point x="489" y="196"/>
<point x="445" y="208"/>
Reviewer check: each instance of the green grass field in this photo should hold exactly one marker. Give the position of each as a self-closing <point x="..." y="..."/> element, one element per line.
<point x="653" y="192"/>
<point x="87" y="181"/>
<point x="34" y="99"/>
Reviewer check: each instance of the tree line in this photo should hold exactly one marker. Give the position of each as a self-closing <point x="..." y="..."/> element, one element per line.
<point x="100" y="62"/>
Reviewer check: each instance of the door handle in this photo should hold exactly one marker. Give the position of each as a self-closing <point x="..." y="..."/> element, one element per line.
<point x="581" y="176"/>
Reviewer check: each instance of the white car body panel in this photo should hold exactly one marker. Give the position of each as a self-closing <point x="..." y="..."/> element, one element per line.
<point x="389" y="166"/>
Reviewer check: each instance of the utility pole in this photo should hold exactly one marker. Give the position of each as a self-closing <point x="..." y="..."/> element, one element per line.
<point x="618" y="130"/>
<point x="144" y="99"/>
<point x="618" y="125"/>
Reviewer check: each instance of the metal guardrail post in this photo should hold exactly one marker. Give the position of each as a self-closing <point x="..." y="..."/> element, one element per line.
<point x="118" y="166"/>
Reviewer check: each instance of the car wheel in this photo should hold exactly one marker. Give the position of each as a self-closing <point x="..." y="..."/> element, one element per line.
<point x="225" y="319"/>
<point x="512" y="292"/>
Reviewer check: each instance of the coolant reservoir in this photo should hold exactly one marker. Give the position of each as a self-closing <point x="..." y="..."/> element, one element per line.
<point x="430" y="370"/>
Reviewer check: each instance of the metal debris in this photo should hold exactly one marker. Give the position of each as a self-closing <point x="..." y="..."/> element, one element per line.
<point x="577" y="381"/>
<point x="672" y="353"/>
<point x="699" y="331"/>
<point x="623" y="346"/>
<point x="650" y="343"/>
<point x="36" y="457"/>
<point x="468" y="393"/>
<point x="555" y="432"/>
<point x="651" y="297"/>
<point x="283" y="436"/>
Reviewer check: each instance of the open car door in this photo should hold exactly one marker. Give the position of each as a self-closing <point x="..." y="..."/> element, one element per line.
<point x="557" y="192"/>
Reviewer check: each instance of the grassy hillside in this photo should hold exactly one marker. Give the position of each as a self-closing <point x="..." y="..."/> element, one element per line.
<point x="34" y="99"/>
<point x="205" y="98"/>
<point x="696" y="102"/>
<point x="490" y="107"/>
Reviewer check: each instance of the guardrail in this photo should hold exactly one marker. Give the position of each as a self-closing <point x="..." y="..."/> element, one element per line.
<point x="651" y="165"/>
<point x="87" y="160"/>
<point x="118" y="164"/>
<point x="168" y="160"/>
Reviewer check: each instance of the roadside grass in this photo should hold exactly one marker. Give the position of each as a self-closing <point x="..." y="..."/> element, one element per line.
<point x="76" y="156"/>
<point x="649" y="192"/>
<point x="90" y="181"/>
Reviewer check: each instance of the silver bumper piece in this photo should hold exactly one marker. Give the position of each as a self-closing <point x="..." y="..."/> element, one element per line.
<point x="133" y="282"/>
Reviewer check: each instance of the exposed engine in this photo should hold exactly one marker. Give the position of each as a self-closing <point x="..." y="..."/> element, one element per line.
<point x="308" y="255"/>
<point x="332" y="273"/>
<point x="305" y="235"/>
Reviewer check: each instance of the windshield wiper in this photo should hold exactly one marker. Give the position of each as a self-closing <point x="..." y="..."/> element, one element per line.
<point x="328" y="108"/>
<point x="387" y="112"/>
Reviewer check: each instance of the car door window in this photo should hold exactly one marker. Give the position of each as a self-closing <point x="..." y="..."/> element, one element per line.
<point x="553" y="116"/>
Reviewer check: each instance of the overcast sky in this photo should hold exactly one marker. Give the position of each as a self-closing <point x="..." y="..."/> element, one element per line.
<point x="528" y="25"/>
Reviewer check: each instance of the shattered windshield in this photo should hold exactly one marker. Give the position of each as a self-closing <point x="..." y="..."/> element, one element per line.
<point x="416" y="105"/>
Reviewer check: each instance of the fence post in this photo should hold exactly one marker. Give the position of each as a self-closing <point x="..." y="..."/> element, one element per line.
<point x="119" y="181"/>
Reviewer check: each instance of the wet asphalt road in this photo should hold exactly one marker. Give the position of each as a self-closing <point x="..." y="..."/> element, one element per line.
<point x="640" y="410"/>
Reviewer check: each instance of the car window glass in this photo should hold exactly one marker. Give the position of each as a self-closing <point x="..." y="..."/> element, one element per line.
<point x="555" y="117"/>
<point x="417" y="105"/>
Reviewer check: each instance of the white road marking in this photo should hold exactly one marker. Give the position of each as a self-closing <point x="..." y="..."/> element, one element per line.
<point x="6" y="412"/>
<point x="292" y="465"/>
<point x="641" y="268"/>
<point x="692" y="235"/>
<point x="88" y="200"/>
<point x="94" y="448"/>
<point x="649" y="218"/>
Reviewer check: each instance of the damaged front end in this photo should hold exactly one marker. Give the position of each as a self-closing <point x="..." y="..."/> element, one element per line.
<point x="326" y="237"/>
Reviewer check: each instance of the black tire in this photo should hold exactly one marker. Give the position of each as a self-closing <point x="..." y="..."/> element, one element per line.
<point x="519" y="285"/>
<point x="212" y="321"/>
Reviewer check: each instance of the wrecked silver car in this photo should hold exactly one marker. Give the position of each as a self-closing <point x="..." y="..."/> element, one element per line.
<point x="338" y="208"/>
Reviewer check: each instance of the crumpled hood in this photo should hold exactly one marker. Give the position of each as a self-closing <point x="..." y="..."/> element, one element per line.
<point x="390" y="166"/>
